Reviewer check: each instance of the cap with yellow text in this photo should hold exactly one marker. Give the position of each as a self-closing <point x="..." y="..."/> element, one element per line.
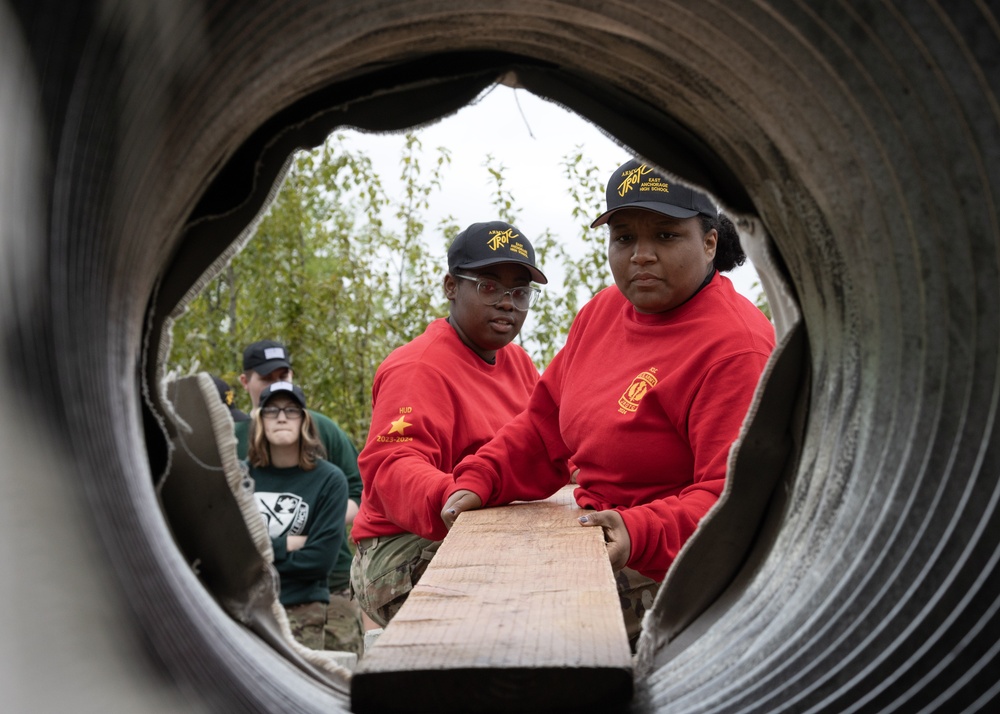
<point x="490" y="243"/>
<point x="637" y="184"/>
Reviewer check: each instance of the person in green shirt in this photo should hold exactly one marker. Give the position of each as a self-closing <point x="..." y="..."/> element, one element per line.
<point x="264" y="363"/>
<point x="302" y="499"/>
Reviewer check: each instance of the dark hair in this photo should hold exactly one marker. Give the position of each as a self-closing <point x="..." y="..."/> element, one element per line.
<point x="728" y="252"/>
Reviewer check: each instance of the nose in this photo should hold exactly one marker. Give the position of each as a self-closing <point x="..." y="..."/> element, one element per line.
<point x="643" y="252"/>
<point x="506" y="301"/>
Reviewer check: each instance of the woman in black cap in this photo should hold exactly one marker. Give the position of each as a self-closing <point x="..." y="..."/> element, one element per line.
<point x="302" y="499"/>
<point x="649" y="392"/>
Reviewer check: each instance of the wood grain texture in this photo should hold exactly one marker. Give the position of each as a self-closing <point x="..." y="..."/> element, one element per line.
<point x="518" y="607"/>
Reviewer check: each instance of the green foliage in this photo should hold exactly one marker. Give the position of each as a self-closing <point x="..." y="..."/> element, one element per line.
<point x="761" y="301"/>
<point x="583" y="277"/>
<point x="326" y="274"/>
<point x="503" y="200"/>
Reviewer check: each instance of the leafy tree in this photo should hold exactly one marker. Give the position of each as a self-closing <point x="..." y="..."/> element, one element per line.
<point x="324" y="275"/>
<point x="583" y="277"/>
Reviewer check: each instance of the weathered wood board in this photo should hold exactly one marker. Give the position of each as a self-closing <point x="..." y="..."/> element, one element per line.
<point x="518" y="611"/>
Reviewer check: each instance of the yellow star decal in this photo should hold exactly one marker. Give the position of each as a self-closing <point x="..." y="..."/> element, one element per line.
<point x="397" y="427"/>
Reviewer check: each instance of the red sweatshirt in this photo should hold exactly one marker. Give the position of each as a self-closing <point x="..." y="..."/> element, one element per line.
<point x="434" y="401"/>
<point x="647" y="406"/>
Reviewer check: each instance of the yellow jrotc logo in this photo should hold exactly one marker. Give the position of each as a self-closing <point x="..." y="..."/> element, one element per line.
<point x="631" y="177"/>
<point x="629" y="401"/>
<point x="501" y="238"/>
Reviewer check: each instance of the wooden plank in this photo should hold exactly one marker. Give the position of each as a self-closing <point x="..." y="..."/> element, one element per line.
<point x="518" y="611"/>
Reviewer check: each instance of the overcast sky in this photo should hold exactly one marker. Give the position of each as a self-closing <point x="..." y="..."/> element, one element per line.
<point x="529" y="137"/>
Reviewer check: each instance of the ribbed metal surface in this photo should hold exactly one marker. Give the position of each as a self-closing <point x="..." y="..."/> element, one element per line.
<point x="863" y="138"/>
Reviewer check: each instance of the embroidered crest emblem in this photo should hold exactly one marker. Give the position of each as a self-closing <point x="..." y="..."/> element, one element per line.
<point x="628" y="403"/>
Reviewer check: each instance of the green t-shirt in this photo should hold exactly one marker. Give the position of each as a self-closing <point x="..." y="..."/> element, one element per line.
<point x="341" y="452"/>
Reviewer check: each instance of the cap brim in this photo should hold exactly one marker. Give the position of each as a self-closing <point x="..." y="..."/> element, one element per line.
<point x="666" y="209"/>
<point x="536" y="274"/>
<point x="265" y="368"/>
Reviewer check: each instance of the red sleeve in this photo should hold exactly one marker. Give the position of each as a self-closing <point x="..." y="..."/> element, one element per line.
<point x="404" y="451"/>
<point x="527" y="459"/>
<point x="658" y="529"/>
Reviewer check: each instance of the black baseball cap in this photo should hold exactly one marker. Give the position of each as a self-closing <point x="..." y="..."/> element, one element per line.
<point x="265" y="356"/>
<point x="293" y="390"/>
<point x="228" y="397"/>
<point x="636" y="184"/>
<point x="493" y="242"/>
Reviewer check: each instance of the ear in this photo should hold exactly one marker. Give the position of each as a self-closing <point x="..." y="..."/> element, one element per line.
<point x="450" y="286"/>
<point x="711" y="242"/>
<point x="244" y="381"/>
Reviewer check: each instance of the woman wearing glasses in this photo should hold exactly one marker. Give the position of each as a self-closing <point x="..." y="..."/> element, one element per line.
<point x="302" y="499"/>
<point x="649" y="392"/>
<point x="436" y="400"/>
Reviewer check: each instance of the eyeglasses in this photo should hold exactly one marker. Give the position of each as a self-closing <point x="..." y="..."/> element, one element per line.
<point x="491" y="292"/>
<point x="291" y="413"/>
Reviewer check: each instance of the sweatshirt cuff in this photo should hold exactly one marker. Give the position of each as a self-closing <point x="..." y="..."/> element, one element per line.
<point x="471" y="480"/>
<point x="643" y="532"/>
<point x="280" y="548"/>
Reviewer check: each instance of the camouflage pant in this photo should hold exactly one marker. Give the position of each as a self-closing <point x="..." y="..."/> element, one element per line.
<point x="385" y="569"/>
<point x="636" y="593"/>
<point x="344" y="632"/>
<point x="307" y="621"/>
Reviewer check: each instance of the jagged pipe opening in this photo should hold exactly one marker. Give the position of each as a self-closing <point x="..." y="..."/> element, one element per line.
<point x="215" y="225"/>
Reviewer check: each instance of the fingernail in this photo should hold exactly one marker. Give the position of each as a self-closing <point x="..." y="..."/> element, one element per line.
<point x="583" y="519"/>
<point x="451" y="511"/>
